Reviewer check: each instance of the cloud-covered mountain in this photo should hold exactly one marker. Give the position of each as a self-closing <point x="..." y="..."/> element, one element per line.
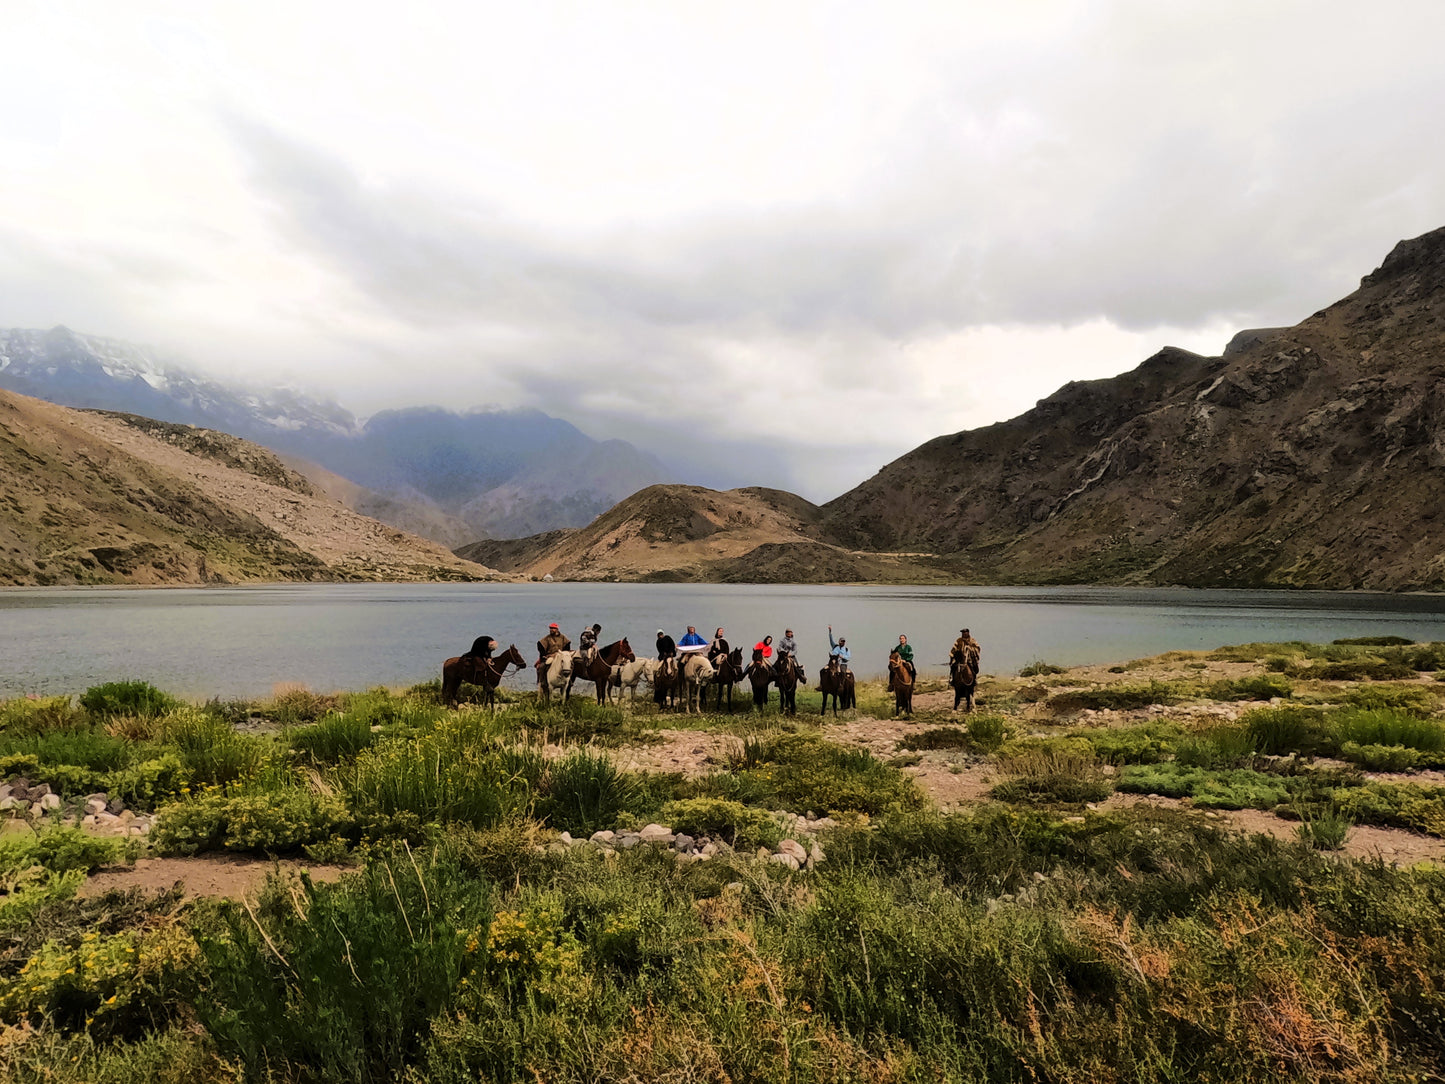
<point x="450" y="476"/>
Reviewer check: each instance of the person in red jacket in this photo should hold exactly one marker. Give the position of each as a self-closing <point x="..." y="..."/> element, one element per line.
<point x="763" y="650"/>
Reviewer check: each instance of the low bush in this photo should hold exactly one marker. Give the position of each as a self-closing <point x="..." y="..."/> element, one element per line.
<point x="1039" y="668"/>
<point x="1395" y="805"/>
<point x="275" y="822"/>
<point x="31" y="717"/>
<point x="1424" y="658"/>
<point x="334" y="739"/>
<point x="1380" y="758"/>
<point x="1409" y="698"/>
<point x="732" y="822"/>
<point x="1148" y="744"/>
<point x="1324" y="831"/>
<point x="584" y="791"/>
<point x="1257" y="687"/>
<point x="1115" y="697"/>
<point x="1388" y="726"/>
<point x="1287" y="729"/>
<point x="1360" y="669"/>
<point x="1224" y="746"/>
<point x="1051" y="776"/>
<point x="943" y="737"/>
<point x="1238" y="788"/>
<point x="210" y="750"/>
<point x="988" y="732"/>
<point x="127" y="698"/>
<point x="344" y="983"/>
<point x="1374" y="641"/>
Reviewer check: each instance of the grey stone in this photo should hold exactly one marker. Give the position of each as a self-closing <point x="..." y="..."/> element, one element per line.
<point x="682" y="841"/>
<point x="40" y="790"/>
<point x="50" y="801"/>
<point x="1039" y="878"/>
<point x="8" y="802"/>
<point x="604" y="836"/>
<point x="628" y="840"/>
<point x="815" y="854"/>
<point x="6" y="789"/>
<point x="565" y="839"/>
<point x="115" y="805"/>
<point x="94" y="806"/>
<point x="708" y="849"/>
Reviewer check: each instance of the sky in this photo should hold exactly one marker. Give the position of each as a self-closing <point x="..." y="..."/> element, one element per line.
<point x="774" y="243"/>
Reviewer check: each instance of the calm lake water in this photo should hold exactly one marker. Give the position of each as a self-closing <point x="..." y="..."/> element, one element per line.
<point x="241" y="641"/>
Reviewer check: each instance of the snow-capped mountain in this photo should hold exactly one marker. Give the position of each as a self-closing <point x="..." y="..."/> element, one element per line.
<point x="443" y="474"/>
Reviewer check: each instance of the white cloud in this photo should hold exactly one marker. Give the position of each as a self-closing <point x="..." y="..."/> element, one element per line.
<point x="787" y="241"/>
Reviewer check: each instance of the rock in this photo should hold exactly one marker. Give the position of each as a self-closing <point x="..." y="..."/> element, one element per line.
<point x="565" y="839"/>
<point x="764" y="853"/>
<point x="708" y="850"/>
<point x="8" y="802"/>
<point x="136" y="830"/>
<point x="1039" y="878"/>
<point x="794" y="848"/>
<point x="684" y="858"/>
<point x="656" y="833"/>
<point x="89" y="821"/>
<point x="785" y="860"/>
<point x="94" y="806"/>
<point x="40" y="790"/>
<point x="682" y="841"/>
<point x="126" y="816"/>
<point x="604" y="836"/>
<point x="6" y="789"/>
<point x="116" y="806"/>
<point x="628" y="840"/>
<point x="50" y="801"/>
<point x="815" y="854"/>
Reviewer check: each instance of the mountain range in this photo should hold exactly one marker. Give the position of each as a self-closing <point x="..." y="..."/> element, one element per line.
<point x="1310" y="456"/>
<point x="452" y="477"/>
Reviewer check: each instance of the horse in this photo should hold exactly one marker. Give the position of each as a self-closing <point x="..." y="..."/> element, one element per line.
<point x="761" y="675"/>
<point x="729" y="672"/>
<point x="666" y="677"/>
<point x="837" y="683"/>
<point x="900" y="684"/>
<point x="555" y="676"/>
<point x="696" y="673"/>
<point x="599" y="668"/>
<point x="486" y="673"/>
<point x="627" y="676"/>
<point x="787" y="673"/>
<point x="963" y="676"/>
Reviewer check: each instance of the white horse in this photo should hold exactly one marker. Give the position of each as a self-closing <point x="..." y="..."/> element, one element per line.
<point x="556" y="676"/>
<point x="628" y="675"/>
<point x="697" y="672"/>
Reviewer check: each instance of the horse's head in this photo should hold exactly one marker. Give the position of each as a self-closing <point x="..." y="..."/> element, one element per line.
<point x="624" y="650"/>
<point x="513" y="657"/>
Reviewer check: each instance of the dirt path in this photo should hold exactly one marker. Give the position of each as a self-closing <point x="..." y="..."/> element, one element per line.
<point x="233" y="876"/>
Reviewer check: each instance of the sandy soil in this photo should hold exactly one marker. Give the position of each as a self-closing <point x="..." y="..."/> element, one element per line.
<point x="235" y="876"/>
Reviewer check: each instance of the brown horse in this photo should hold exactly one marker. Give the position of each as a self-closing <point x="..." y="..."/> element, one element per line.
<point x="599" y="669"/>
<point x="837" y="683"/>
<point x="666" y="681"/>
<point x="729" y="672"/>
<point x="787" y="674"/>
<point x="486" y="673"/>
<point x="963" y="676"/>
<point x="761" y="675"/>
<point x="900" y="684"/>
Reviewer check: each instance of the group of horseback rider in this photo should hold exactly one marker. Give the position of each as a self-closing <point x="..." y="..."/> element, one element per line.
<point x="964" y="654"/>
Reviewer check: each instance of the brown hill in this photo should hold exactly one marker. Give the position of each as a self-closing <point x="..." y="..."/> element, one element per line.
<point x="688" y="533"/>
<point x="1311" y="456"/>
<point x="93" y="497"/>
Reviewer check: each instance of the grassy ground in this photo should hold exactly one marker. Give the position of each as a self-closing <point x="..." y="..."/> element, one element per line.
<point x="1054" y="888"/>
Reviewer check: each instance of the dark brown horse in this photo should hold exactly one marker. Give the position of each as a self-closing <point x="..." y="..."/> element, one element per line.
<point x="599" y="669"/>
<point x="787" y="673"/>
<point x="666" y="681"/>
<point x="485" y="673"/>
<point x="900" y="684"/>
<point x="729" y="672"/>
<point x="837" y="683"/>
<point x="963" y="676"/>
<point x="761" y="675"/>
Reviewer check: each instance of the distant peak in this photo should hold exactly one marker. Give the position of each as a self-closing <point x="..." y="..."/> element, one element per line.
<point x="1423" y="254"/>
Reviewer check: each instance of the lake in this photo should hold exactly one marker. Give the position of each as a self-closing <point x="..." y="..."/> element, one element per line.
<point x="241" y="641"/>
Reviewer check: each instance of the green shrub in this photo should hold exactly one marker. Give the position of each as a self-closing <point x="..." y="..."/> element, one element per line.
<point x="127" y="698"/>
<point x="1425" y="658"/>
<point x="210" y="750"/>
<point x="84" y="747"/>
<point x="38" y="716"/>
<point x="1387" y="726"/>
<point x="1224" y="789"/>
<point x="1115" y="697"/>
<point x="1287" y="729"/>
<point x="1258" y="687"/>
<point x="1324" y="831"/>
<point x="276" y="822"/>
<point x="344" y="983"/>
<point x="988" y="732"/>
<point x="334" y="739"/>
<point x="585" y="791"/>
<point x="1380" y="758"/>
<point x="1039" y="668"/>
<point x="1051" y="776"/>
<point x="732" y="822"/>
<point x="1375" y="641"/>
<point x="943" y="737"/>
<point x="1146" y="744"/>
<point x="1223" y="746"/>
<point x="1361" y="669"/>
<point x="1395" y="805"/>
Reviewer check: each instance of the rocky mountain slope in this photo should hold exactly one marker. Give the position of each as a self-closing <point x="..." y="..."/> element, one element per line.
<point x="671" y="533"/>
<point x="1311" y="456"/>
<point x="450" y="476"/>
<point x="93" y="497"/>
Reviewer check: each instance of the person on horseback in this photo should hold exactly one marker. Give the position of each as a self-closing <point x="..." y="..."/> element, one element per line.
<point x="549" y="645"/>
<point x="788" y="646"/>
<point x="718" y="648"/>
<point x="481" y="649"/>
<point x="763" y="650"/>
<point x="691" y="643"/>
<point x="839" y="650"/>
<point x="587" y="643"/>
<point x="965" y="651"/>
<point x="666" y="646"/>
<point x="905" y="652"/>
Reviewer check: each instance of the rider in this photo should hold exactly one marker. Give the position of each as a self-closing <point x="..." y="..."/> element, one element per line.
<point x="481" y="649"/>
<point x="905" y="652"/>
<point x="839" y="650"/>
<point x="548" y="646"/>
<point x="666" y="646"/>
<point x="965" y="650"/>
<point x="763" y="650"/>
<point x="789" y="647"/>
<point x="718" y="648"/>
<point x="691" y="643"/>
<point x="587" y="643"/>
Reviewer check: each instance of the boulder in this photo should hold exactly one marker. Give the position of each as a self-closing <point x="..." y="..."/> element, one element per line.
<point x="785" y="860"/>
<point x="604" y="836"/>
<point x="49" y="801"/>
<point x="628" y="840"/>
<point x="682" y="841"/>
<point x="795" y="849"/>
<point x="656" y="833"/>
<point x="94" y="806"/>
<point x="815" y="854"/>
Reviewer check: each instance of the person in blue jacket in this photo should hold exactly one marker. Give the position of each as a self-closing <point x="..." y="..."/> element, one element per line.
<point x="691" y="642"/>
<point x="839" y="650"/>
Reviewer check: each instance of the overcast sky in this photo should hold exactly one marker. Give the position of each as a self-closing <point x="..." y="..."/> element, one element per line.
<point x="792" y="239"/>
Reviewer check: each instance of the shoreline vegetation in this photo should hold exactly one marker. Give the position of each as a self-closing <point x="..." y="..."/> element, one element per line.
<point x="1205" y="866"/>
